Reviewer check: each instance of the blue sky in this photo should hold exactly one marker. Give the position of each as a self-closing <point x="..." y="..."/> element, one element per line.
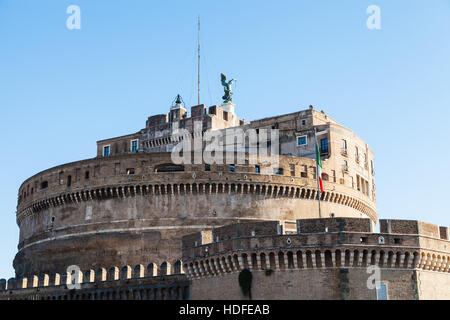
<point x="61" y="90"/>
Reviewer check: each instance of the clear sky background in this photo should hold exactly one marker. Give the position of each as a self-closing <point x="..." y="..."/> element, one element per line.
<point x="62" y="90"/>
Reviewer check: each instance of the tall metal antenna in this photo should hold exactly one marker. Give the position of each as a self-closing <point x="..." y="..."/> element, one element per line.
<point x="198" y="60"/>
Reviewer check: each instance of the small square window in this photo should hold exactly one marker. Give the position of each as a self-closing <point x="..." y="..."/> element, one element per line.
<point x="397" y="241"/>
<point x="207" y="167"/>
<point x="44" y="185"/>
<point x="232" y="168"/>
<point x="130" y="171"/>
<point x="301" y="141"/>
<point x="363" y="239"/>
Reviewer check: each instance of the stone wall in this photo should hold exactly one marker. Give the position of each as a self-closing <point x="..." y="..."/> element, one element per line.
<point x="333" y="264"/>
<point x="115" y="217"/>
<point x="308" y="284"/>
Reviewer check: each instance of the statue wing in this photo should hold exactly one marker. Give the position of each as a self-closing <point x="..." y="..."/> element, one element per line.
<point x="223" y="77"/>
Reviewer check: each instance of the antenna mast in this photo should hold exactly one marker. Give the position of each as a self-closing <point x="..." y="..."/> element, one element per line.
<point x="198" y="60"/>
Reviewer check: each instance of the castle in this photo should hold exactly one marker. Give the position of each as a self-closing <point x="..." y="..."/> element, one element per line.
<point x="140" y="226"/>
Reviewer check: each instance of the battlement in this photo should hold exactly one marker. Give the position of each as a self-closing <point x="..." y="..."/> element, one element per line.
<point x="334" y="225"/>
<point x="319" y="243"/>
<point x="149" y="280"/>
<point x="414" y="227"/>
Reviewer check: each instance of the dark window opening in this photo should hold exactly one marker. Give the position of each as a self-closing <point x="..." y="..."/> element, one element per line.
<point x="86" y="175"/>
<point x="169" y="168"/>
<point x="130" y="171"/>
<point x="232" y="168"/>
<point x="207" y="167"/>
<point x="69" y="180"/>
<point x="397" y="241"/>
<point x="257" y="169"/>
<point x="44" y="185"/>
<point x="364" y="239"/>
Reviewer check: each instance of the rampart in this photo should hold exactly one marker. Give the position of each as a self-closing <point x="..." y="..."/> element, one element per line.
<point x="325" y="259"/>
<point x="142" y="282"/>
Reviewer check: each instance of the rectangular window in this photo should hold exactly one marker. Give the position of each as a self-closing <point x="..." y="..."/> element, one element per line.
<point x="303" y="122"/>
<point x="232" y="168"/>
<point x="292" y="167"/>
<point x="304" y="173"/>
<point x="344" y="145"/>
<point x="106" y="151"/>
<point x="44" y="185"/>
<point x="314" y="172"/>
<point x="207" y="167"/>
<point x="278" y="171"/>
<point x="301" y="141"/>
<point x="382" y="291"/>
<point x="324" y="145"/>
<point x="130" y="171"/>
<point x="134" y="145"/>
<point x="257" y="169"/>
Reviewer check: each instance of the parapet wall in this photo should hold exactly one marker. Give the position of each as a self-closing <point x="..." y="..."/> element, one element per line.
<point x="326" y="259"/>
<point x="336" y="247"/>
<point x="142" y="282"/>
<point x="334" y="225"/>
<point x="413" y="227"/>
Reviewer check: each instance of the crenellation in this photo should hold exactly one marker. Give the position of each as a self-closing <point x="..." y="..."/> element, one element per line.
<point x="2" y="285"/>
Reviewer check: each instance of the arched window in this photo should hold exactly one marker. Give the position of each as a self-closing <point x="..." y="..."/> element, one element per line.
<point x="177" y="267"/>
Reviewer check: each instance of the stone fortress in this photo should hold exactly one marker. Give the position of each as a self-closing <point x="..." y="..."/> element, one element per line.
<point x="139" y="226"/>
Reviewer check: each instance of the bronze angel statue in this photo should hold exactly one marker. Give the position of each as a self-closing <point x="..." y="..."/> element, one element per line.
<point x="227" y="88"/>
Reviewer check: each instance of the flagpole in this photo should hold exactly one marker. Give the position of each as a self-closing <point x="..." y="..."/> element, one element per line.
<point x="317" y="172"/>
